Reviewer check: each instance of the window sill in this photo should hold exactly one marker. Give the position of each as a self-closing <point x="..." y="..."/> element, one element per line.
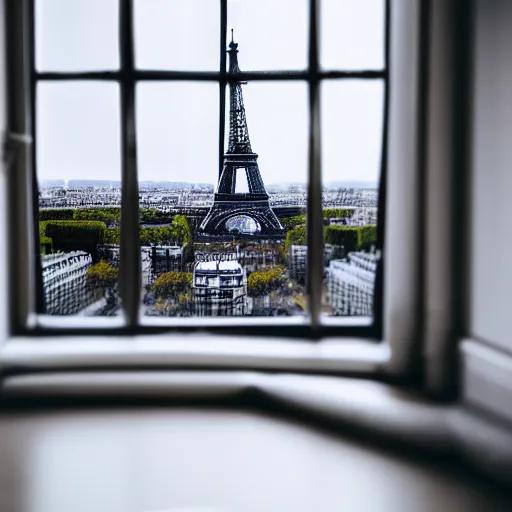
<point x="487" y="378"/>
<point x="116" y="323"/>
<point x="194" y="351"/>
<point x="374" y="411"/>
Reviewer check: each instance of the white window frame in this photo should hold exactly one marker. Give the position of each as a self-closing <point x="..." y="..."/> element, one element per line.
<point x="397" y="352"/>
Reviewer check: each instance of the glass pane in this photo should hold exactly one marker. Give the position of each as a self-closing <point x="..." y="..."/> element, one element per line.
<point x="177" y="34"/>
<point x="352" y="124"/>
<point x="216" y="247"/>
<point x="272" y="35"/>
<point x="352" y="34"/>
<point x="77" y="35"/>
<point x="178" y="135"/>
<point x="277" y="119"/>
<point x="78" y="165"/>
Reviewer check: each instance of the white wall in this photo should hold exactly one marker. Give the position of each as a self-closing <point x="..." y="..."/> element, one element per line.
<point x="490" y="268"/>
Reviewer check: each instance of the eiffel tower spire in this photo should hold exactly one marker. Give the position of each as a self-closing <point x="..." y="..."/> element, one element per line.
<point x="239" y="141"/>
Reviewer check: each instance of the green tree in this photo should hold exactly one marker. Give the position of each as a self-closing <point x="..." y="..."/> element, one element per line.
<point x="367" y="236"/>
<point x="42" y="228"/>
<point x="172" y="284"/>
<point x="263" y="282"/>
<point x="102" y="277"/>
<point x="112" y="236"/>
<point x="292" y="221"/>
<point x="148" y="214"/>
<point x="178" y="232"/>
<point x="106" y="215"/>
<point x="351" y="237"/>
<point x="296" y="236"/>
<point x="347" y="236"/>
<point x="46" y="244"/>
<point x="73" y="235"/>
<point x="338" y="213"/>
<point x="56" y="214"/>
<point x="102" y="274"/>
<point x="181" y="228"/>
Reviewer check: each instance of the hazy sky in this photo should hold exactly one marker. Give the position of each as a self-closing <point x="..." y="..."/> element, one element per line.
<point x="177" y="122"/>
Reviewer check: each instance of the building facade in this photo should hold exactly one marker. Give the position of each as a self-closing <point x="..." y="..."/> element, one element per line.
<point x="155" y="260"/>
<point x="298" y="257"/>
<point x="297" y="261"/>
<point x="219" y="288"/>
<point x="66" y="291"/>
<point x="166" y="258"/>
<point x="351" y="284"/>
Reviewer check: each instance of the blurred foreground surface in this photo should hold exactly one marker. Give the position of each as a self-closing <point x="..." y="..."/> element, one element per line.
<point x="169" y="459"/>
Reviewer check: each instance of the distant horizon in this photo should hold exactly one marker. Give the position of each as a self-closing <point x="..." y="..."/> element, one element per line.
<point x="332" y="183"/>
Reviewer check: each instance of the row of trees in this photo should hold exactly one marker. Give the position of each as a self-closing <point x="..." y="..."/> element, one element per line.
<point x="353" y="238"/>
<point x="338" y="213"/>
<point x="68" y="235"/>
<point x="178" y="232"/>
<point x="289" y="222"/>
<point x="292" y="221"/>
<point x="108" y="215"/>
<point x="71" y="235"/>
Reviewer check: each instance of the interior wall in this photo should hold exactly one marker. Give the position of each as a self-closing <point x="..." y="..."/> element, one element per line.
<point x="490" y="156"/>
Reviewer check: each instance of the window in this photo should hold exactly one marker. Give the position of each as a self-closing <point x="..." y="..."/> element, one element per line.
<point x="414" y="290"/>
<point x="184" y="161"/>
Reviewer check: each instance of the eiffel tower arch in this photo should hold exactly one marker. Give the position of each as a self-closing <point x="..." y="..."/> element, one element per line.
<point x="239" y="156"/>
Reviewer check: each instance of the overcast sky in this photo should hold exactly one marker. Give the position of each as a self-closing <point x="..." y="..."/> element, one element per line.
<point x="177" y="122"/>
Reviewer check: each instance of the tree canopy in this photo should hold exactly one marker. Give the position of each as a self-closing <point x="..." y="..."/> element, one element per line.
<point x="352" y="237"/>
<point x="262" y="282"/>
<point x="296" y="236"/>
<point x="102" y="274"/>
<point x="178" y="232"/>
<point x="172" y="284"/>
<point x="338" y="213"/>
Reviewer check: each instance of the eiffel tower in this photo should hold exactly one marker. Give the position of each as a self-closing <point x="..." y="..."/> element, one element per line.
<point x="239" y="157"/>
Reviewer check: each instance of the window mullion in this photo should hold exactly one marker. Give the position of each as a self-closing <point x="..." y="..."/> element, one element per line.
<point x="222" y="83"/>
<point x="314" y="214"/>
<point x="130" y="264"/>
<point x="17" y="155"/>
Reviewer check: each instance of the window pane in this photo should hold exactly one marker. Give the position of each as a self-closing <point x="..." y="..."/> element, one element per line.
<point x="177" y="132"/>
<point x="272" y="35"/>
<point x="352" y="123"/>
<point x="207" y="254"/>
<point x="77" y="35"/>
<point x="78" y="163"/>
<point x="178" y="135"/>
<point x="277" y="119"/>
<point x="352" y="34"/>
<point x="177" y="34"/>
